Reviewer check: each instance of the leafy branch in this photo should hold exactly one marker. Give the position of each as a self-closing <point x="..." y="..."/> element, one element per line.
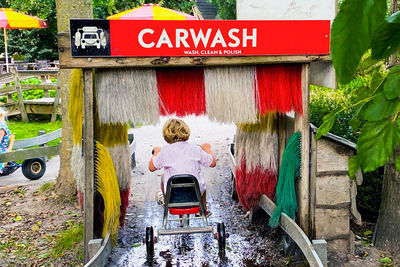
<point x="379" y="104"/>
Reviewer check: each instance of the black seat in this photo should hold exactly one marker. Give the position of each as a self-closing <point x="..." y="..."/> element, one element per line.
<point x="183" y="188"/>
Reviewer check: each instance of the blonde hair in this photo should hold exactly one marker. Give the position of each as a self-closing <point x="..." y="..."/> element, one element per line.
<point x="3" y="114"/>
<point x="175" y="130"/>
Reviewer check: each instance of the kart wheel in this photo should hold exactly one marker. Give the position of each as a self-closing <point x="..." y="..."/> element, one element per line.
<point x="33" y="169"/>
<point x="221" y="237"/>
<point x="149" y="241"/>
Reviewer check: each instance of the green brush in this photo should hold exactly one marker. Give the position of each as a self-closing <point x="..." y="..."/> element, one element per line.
<point x="286" y="201"/>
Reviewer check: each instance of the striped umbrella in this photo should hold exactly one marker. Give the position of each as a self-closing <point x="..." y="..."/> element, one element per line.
<point x="152" y="12"/>
<point x="10" y="19"/>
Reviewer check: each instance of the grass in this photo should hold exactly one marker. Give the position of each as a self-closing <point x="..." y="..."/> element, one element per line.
<point x="24" y="130"/>
<point x="49" y="186"/>
<point x="68" y="239"/>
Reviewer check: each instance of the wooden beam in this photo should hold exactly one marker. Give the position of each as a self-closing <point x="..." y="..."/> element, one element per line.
<point x="67" y="61"/>
<point x="281" y="137"/>
<point x="21" y="106"/>
<point x="313" y="184"/>
<point x="56" y="104"/>
<point x="294" y="231"/>
<point x="88" y="146"/>
<point x="30" y="153"/>
<point x="302" y="124"/>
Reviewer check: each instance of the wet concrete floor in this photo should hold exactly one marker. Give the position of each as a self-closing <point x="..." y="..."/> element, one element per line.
<point x="248" y="244"/>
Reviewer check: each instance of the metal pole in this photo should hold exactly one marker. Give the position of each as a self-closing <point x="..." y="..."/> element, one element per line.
<point x="5" y="46"/>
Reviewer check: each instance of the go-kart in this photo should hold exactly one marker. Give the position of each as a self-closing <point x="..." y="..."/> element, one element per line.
<point x="183" y="199"/>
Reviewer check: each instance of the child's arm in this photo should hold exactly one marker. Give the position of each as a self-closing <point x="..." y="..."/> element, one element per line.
<point x="155" y="151"/>
<point x="207" y="148"/>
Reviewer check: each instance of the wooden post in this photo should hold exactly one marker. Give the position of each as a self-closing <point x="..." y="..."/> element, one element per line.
<point x="88" y="140"/>
<point x="313" y="184"/>
<point x="302" y="124"/>
<point x="281" y="136"/>
<point x="56" y="103"/>
<point x="21" y="105"/>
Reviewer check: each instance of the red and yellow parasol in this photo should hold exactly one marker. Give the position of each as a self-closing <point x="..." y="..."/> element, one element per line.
<point x="10" y="19"/>
<point x="152" y="12"/>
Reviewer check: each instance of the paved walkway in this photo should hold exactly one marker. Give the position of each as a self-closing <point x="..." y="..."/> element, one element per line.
<point x="17" y="178"/>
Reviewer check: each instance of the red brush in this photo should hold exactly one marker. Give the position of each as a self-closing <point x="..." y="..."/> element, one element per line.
<point x="181" y="91"/>
<point x="278" y="88"/>
<point x="124" y="205"/>
<point x="250" y="186"/>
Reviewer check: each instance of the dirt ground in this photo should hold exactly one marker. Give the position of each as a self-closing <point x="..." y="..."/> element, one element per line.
<point x="32" y="221"/>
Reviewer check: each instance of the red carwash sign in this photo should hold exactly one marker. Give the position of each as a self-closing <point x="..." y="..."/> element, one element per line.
<point x="137" y="38"/>
<point x="218" y="38"/>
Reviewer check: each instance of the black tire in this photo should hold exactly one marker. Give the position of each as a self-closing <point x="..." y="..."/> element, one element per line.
<point x="33" y="169"/>
<point x="221" y="237"/>
<point x="234" y="194"/>
<point x="149" y="241"/>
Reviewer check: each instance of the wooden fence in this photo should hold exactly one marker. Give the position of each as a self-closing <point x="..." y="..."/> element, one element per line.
<point x="45" y="105"/>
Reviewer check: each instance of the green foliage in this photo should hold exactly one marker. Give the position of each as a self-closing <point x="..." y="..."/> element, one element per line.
<point x="377" y="143"/>
<point x="352" y="32"/>
<point x="33" y="44"/>
<point x="24" y="130"/>
<point x="359" y="25"/>
<point x="46" y="187"/>
<point x="226" y="8"/>
<point x="71" y="238"/>
<point x="324" y="101"/>
<point x="387" y="37"/>
<point x="392" y="84"/>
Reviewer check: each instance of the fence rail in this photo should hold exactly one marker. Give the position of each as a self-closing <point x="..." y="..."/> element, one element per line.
<point x="46" y="105"/>
<point x="37" y="152"/>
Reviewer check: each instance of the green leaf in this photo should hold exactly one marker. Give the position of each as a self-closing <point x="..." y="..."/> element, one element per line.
<point x="391" y="87"/>
<point x="352" y="32"/>
<point x="354" y="166"/>
<point x="376" y="143"/>
<point x="385" y="260"/>
<point x="368" y="232"/>
<point x="328" y="121"/>
<point x="386" y="38"/>
<point x="355" y="122"/>
<point x="380" y="108"/>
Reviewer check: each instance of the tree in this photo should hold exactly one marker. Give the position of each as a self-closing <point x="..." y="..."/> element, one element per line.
<point x="362" y="26"/>
<point x="33" y="44"/>
<point x="226" y="8"/>
<point x="66" y="9"/>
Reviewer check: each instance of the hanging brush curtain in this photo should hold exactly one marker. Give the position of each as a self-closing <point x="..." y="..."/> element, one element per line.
<point x="256" y="153"/>
<point x="286" y="201"/>
<point x="114" y="136"/>
<point x="125" y="95"/>
<point x="181" y="91"/>
<point x="230" y="94"/>
<point x="75" y="114"/>
<point x="106" y="184"/>
<point x="278" y="88"/>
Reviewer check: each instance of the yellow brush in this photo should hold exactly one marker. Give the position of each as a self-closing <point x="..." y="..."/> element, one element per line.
<point x="106" y="184"/>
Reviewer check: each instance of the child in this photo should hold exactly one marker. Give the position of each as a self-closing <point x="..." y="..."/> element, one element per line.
<point x="5" y="168"/>
<point x="181" y="157"/>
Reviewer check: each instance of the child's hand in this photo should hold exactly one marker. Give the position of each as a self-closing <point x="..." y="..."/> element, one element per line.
<point x="156" y="150"/>
<point x="206" y="147"/>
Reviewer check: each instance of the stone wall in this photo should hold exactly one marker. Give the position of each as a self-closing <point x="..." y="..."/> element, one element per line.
<point x="331" y="194"/>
